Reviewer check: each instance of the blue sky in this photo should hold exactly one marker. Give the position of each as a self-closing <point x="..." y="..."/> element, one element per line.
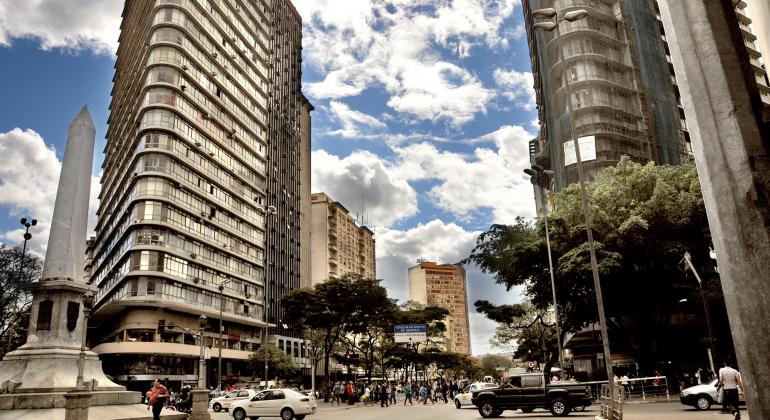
<point x="423" y="107"/>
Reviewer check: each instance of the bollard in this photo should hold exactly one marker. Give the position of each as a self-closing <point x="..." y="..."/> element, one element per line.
<point x="77" y="405"/>
<point x="200" y="405"/>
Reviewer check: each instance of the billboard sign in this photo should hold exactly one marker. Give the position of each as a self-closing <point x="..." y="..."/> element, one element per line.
<point x="414" y="333"/>
<point x="587" y="150"/>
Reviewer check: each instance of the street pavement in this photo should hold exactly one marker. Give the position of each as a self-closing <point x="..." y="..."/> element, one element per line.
<point x="656" y="411"/>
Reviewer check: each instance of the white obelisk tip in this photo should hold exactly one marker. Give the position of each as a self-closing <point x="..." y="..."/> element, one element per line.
<point x="83" y="117"/>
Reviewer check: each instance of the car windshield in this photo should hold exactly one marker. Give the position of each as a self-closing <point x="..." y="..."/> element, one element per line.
<point x="467" y="389"/>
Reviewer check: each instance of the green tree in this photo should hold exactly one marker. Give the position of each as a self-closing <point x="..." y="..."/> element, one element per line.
<point x="280" y="364"/>
<point x="644" y="218"/>
<point x="490" y="363"/>
<point x="15" y="299"/>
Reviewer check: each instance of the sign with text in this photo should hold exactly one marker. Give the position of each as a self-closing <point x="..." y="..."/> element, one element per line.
<point x="587" y="150"/>
<point x="414" y="333"/>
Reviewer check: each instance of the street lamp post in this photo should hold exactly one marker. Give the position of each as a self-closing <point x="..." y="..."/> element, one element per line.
<point x="711" y="353"/>
<point x="27" y="237"/>
<point x="221" y="310"/>
<point x="553" y="22"/>
<point x="88" y="302"/>
<point x="203" y="322"/>
<point x="542" y="178"/>
<point x="268" y="211"/>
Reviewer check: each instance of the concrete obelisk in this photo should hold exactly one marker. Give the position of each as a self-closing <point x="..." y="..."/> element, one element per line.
<point x="48" y="362"/>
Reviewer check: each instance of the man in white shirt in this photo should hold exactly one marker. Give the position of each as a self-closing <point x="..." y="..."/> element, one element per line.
<point x="730" y="379"/>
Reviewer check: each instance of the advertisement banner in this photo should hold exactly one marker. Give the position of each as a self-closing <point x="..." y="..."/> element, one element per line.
<point x="587" y="150"/>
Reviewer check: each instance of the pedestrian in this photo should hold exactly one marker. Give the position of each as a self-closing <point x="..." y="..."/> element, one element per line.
<point x="157" y="398"/>
<point x="444" y="391"/>
<point x="349" y="393"/>
<point x="730" y="380"/>
<point x="429" y="396"/>
<point x="423" y="393"/>
<point x="393" y="393"/>
<point x="408" y="394"/>
<point x="384" y="395"/>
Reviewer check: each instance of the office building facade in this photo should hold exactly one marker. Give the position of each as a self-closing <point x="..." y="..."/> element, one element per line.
<point x="204" y="135"/>
<point x="444" y="285"/>
<point x="339" y="245"/>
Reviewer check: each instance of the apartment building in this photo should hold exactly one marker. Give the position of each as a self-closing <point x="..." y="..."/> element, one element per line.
<point x="339" y="245"/>
<point x="205" y="136"/>
<point x="444" y="285"/>
<point x="620" y="87"/>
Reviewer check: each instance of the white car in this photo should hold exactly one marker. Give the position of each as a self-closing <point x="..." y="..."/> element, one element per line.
<point x="284" y="403"/>
<point x="703" y="396"/>
<point x="463" y="399"/>
<point x="224" y="402"/>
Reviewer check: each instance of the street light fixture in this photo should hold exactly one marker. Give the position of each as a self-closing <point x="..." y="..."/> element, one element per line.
<point x="267" y="211"/>
<point x="573" y="16"/>
<point x="20" y="272"/>
<point x="542" y="178"/>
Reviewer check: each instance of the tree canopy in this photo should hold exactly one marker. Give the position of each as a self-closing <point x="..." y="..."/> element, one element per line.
<point x="644" y="218"/>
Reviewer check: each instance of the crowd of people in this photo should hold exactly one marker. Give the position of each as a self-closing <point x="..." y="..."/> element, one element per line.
<point x="387" y="393"/>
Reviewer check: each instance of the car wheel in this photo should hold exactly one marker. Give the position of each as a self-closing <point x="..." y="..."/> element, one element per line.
<point x="703" y="402"/>
<point x="457" y="404"/>
<point x="287" y="414"/>
<point x="559" y="407"/>
<point x="487" y="409"/>
<point x="217" y="407"/>
<point x="239" y="414"/>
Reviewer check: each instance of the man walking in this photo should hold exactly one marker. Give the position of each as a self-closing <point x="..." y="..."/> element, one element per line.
<point x="384" y="395"/>
<point x="730" y="379"/>
<point x="158" y="395"/>
<point x="408" y="394"/>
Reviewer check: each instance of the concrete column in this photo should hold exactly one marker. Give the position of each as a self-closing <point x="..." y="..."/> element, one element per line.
<point x="730" y="141"/>
<point x="200" y="405"/>
<point x="77" y="405"/>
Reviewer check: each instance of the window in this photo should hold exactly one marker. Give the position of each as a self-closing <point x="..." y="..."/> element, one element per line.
<point x="278" y="395"/>
<point x="150" y="287"/>
<point x="532" y="381"/>
<point x="134" y="288"/>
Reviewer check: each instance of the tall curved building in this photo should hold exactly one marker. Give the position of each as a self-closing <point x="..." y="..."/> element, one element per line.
<point x="618" y="77"/>
<point x="204" y="134"/>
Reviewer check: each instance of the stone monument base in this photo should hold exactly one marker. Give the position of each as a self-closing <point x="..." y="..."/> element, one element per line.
<point x="103" y="412"/>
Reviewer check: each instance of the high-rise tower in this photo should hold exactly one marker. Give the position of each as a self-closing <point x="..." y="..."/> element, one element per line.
<point x="204" y="136"/>
<point x="444" y="285"/>
<point x="619" y="82"/>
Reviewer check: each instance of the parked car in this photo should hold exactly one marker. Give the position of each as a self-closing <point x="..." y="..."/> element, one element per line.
<point x="284" y="403"/>
<point x="224" y="402"/>
<point x="528" y="392"/>
<point x="463" y="398"/>
<point x="703" y="396"/>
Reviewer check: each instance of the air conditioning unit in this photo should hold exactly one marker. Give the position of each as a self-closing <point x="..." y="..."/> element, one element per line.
<point x="184" y="67"/>
<point x="215" y="55"/>
<point x="196" y="280"/>
<point x="212" y="154"/>
<point x="197" y="143"/>
<point x="183" y="88"/>
<point x="247" y="296"/>
<point x="193" y="255"/>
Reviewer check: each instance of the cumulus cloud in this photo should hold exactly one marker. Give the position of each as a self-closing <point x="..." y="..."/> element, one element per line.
<point x="491" y="179"/>
<point x="398" y="45"/>
<point x="364" y="175"/>
<point x="355" y="124"/>
<point x="517" y="87"/>
<point x="75" y="25"/>
<point x="29" y="178"/>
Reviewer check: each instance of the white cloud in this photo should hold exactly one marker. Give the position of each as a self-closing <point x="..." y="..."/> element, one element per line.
<point x="517" y="86"/>
<point x="354" y="123"/>
<point x="29" y="178"/>
<point x="489" y="178"/>
<point x="75" y="25"/>
<point x="398" y="45"/>
<point x="364" y="175"/>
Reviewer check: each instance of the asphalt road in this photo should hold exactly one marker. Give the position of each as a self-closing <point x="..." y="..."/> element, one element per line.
<point x="657" y="411"/>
